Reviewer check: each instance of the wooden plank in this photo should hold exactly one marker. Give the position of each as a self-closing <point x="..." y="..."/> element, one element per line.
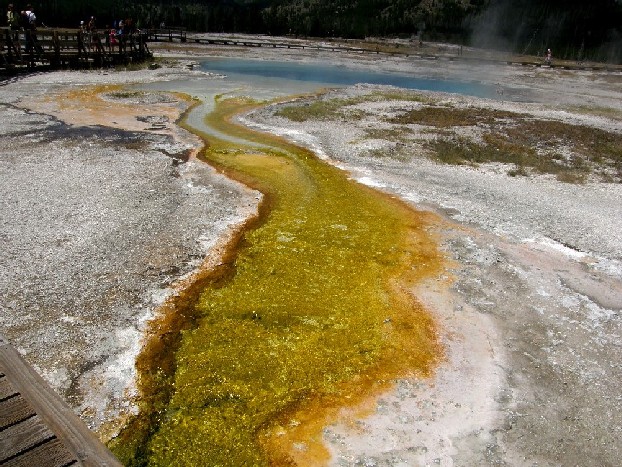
<point x="23" y="436"/>
<point x="55" y="413"/>
<point x="14" y="410"/>
<point x="50" y="454"/>
<point x="6" y="390"/>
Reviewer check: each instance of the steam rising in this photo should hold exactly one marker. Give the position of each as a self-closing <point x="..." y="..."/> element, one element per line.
<point x="574" y="30"/>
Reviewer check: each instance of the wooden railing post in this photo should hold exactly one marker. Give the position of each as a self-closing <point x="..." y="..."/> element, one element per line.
<point x="80" y="44"/>
<point x="141" y="45"/>
<point x="56" y="45"/>
<point x="9" y="45"/>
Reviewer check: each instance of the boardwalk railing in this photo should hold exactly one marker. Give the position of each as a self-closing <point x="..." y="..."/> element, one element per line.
<point x="428" y="52"/>
<point x="37" y="428"/>
<point x="167" y="34"/>
<point x="57" y="47"/>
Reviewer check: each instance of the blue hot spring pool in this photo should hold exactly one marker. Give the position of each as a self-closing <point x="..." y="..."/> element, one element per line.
<point x="334" y="75"/>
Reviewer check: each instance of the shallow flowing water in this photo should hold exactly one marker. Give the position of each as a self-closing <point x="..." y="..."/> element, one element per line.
<point x="312" y="310"/>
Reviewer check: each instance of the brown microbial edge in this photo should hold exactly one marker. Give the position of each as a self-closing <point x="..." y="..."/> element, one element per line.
<point x="301" y="424"/>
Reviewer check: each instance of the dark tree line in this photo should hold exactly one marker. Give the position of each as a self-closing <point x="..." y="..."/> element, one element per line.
<point x="359" y="19"/>
<point x="573" y="29"/>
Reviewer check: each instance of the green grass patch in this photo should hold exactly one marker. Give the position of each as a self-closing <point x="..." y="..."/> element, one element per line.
<point x="397" y="95"/>
<point x="532" y="145"/>
<point x="335" y="109"/>
<point x="606" y="112"/>
<point x="445" y="117"/>
<point x="592" y="150"/>
<point x="314" y="110"/>
<point x="126" y="94"/>
<point x="390" y="134"/>
<point x="572" y="176"/>
<point x="462" y="151"/>
<point x="393" y="153"/>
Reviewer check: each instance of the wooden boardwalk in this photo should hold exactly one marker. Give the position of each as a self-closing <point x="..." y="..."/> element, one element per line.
<point x="36" y="427"/>
<point x="167" y="34"/>
<point x="67" y="48"/>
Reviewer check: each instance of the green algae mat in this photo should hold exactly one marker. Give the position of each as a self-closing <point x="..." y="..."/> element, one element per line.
<point x="311" y="311"/>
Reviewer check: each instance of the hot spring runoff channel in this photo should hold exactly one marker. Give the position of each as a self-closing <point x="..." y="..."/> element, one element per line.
<point x="311" y="309"/>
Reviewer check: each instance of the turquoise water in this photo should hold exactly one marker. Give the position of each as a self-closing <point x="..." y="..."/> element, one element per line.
<point x="334" y="75"/>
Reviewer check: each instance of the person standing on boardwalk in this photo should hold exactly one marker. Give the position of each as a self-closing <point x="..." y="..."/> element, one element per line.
<point x="12" y="18"/>
<point x="12" y="21"/>
<point x="30" y="28"/>
<point x="30" y="19"/>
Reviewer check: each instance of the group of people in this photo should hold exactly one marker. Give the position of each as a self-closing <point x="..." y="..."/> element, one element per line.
<point x="120" y="32"/>
<point x="116" y="36"/>
<point x="23" y="21"/>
